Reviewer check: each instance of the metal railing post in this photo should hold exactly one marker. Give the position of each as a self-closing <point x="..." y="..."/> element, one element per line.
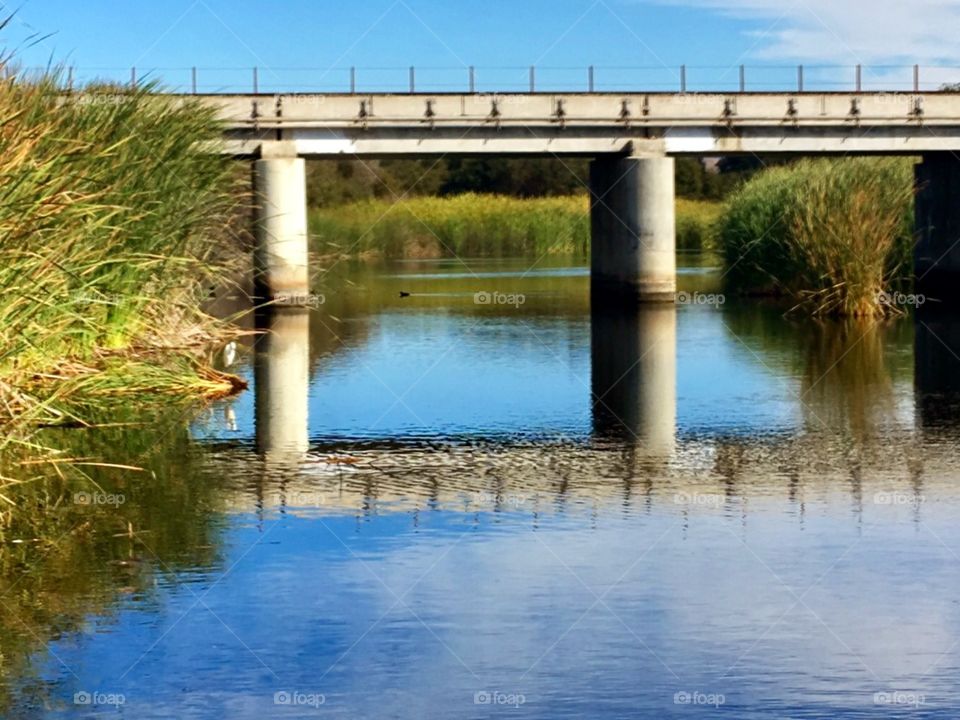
<point x="799" y="78"/>
<point x="133" y="78"/>
<point x="683" y="78"/>
<point x="916" y="78"/>
<point x="859" y="78"/>
<point x="256" y="81"/>
<point x="413" y="80"/>
<point x="193" y="80"/>
<point x="473" y="80"/>
<point x="590" y="78"/>
<point x="743" y="79"/>
<point x="353" y="80"/>
<point x="533" y="79"/>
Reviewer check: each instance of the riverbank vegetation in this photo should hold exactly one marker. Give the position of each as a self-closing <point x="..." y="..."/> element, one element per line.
<point x="112" y="232"/>
<point x="832" y="234"/>
<point x="474" y="225"/>
<point x="332" y="183"/>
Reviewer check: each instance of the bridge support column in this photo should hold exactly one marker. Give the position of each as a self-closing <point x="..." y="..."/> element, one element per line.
<point x="937" y="252"/>
<point x="280" y="258"/>
<point x="633" y="230"/>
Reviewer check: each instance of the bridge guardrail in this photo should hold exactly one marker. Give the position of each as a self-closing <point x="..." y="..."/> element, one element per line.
<point x="429" y="79"/>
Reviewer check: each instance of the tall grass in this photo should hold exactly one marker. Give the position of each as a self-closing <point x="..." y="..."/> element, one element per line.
<point x="111" y="229"/>
<point x="832" y="233"/>
<point x="478" y="225"/>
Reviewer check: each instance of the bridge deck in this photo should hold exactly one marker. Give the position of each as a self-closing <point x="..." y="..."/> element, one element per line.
<point x="592" y="123"/>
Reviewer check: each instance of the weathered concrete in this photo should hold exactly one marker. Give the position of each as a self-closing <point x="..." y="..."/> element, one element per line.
<point x="281" y="256"/>
<point x="634" y="377"/>
<point x="591" y="124"/>
<point x="282" y="382"/>
<point x="937" y="252"/>
<point x="633" y="230"/>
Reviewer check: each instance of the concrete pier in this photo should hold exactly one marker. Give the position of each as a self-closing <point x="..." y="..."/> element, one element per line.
<point x="937" y="252"/>
<point x="633" y="357"/>
<point x="280" y="258"/>
<point x="282" y="381"/>
<point x="633" y="230"/>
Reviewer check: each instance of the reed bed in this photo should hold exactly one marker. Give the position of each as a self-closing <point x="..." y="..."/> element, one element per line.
<point x="833" y="234"/>
<point x="112" y="230"/>
<point x="478" y="226"/>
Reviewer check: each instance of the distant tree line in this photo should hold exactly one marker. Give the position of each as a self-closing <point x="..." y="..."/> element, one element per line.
<point x="335" y="182"/>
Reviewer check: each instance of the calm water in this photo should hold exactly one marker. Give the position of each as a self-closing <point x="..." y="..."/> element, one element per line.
<point x="433" y="507"/>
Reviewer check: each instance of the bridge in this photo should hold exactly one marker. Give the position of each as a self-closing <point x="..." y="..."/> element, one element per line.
<point x="632" y="138"/>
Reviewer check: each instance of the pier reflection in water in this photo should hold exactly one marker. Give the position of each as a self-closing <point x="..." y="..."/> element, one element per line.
<point x="282" y="384"/>
<point x="633" y="365"/>
<point x="937" y="369"/>
<point x="712" y="500"/>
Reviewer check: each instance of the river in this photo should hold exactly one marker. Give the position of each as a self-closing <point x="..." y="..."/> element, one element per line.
<point x="452" y="492"/>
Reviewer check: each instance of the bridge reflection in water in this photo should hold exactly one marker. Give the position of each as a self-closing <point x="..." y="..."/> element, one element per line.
<point x="846" y="449"/>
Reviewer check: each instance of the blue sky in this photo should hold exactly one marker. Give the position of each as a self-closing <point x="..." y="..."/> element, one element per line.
<point x="660" y="34"/>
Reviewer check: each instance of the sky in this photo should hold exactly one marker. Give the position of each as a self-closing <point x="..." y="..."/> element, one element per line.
<point x="104" y="38"/>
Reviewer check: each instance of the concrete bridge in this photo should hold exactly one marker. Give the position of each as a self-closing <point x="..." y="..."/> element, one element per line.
<point x="632" y="138"/>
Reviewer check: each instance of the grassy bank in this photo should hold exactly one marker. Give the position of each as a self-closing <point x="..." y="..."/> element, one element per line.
<point x="833" y="234"/>
<point x="478" y="225"/>
<point x="109" y="219"/>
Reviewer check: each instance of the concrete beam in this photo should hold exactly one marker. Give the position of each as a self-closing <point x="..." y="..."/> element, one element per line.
<point x="592" y="124"/>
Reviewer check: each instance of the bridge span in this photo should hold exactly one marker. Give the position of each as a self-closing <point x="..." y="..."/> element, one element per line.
<point x="632" y="139"/>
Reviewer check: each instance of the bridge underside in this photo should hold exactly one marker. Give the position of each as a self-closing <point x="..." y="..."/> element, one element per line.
<point x="553" y="142"/>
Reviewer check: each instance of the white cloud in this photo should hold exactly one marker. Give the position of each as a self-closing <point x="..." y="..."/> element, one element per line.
<point x="847" y="31"/>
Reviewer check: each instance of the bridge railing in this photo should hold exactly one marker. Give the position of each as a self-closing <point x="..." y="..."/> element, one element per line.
<point x="430" y="79"/>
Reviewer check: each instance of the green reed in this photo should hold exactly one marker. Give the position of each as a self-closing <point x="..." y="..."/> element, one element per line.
<point x="112" y="230"/>
<point x="478" y="226"/>
<point x="834" y="234"/>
